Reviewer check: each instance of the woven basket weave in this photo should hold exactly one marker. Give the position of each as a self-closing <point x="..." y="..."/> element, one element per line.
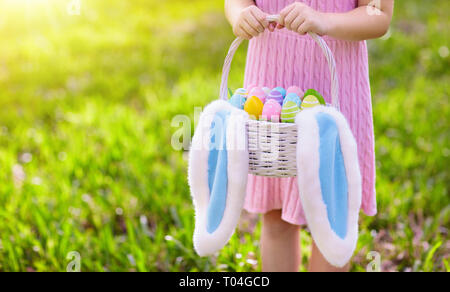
<point x="272" y="146"/>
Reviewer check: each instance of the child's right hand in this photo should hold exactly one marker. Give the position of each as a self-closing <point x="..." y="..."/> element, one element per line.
<point x="250" y="22"/>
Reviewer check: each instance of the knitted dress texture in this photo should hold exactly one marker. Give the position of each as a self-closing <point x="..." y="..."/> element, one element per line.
<point x="284" y="58"/>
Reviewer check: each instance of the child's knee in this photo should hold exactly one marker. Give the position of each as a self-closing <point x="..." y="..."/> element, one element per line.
<point x="275" y="226"/>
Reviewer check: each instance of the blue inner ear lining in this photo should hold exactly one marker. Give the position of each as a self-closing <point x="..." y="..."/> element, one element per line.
<point x="217" y="171"/>
<point x="332" y="174"/>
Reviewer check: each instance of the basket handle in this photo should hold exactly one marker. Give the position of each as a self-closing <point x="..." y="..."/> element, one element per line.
<point x="320" y="41"/>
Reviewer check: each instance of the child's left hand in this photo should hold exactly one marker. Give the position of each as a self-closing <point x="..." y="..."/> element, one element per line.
<point x="301" y="18"/>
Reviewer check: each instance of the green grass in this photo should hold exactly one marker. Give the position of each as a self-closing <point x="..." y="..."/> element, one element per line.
<point x="86" y="104"/>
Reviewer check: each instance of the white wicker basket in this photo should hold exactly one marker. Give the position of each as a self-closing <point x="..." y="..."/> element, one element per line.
<point x="272" y="146"/>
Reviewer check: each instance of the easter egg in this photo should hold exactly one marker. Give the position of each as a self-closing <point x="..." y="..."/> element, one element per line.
<point x="276" y="95"/>
<point x="254" y="107"/>
<point x="289" y="112"/>
<point x="271" y="111"/>
<point x="242" y="91"/>
<point x="237" y="100"/>
<point x="310" y="101"/>
<point x="281" y="90"/>
<point x="251" y="86"/>
<point x="266" y="90"/>
<point x="259" y="93"/>
<point x="292" y="97"/>
<point x="316" y="94"/>
<point x="296" y="90"/>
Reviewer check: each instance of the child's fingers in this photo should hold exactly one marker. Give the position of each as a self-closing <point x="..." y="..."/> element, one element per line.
<point x="285" y="12"/>
<point x="251" y="22"/>
<point x="289" y="19"/>
<point x="239" y="31"/>
<point x="243" y="33"/>
<point x="260" y="17"/>
<point x="304" y="28"/>
<point x="249" y="28"/>
<point x="254" y="24"/>
<point x="297" y="22"/>
<point x="272" y="26"/>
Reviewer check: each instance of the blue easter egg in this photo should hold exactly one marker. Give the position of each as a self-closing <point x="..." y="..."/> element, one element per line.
<point x="281" y="90"/>
<point x="237" y="101"/>
<point x="242" y="91"/>
<point x="293" y="97"/>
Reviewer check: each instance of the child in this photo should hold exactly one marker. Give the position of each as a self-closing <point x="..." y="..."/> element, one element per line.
<point x="283" y="55"/>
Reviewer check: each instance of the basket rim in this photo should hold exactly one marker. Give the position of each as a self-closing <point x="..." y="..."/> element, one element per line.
<point x="268" y="123"/>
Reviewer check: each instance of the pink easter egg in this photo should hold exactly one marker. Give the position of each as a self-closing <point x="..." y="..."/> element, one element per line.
<point x="259" y="93"/>
<point x="271" y="111"/>
<point x="251" y="86"/>
<point x="295" y="89"/>
<point x="267" y="90"/>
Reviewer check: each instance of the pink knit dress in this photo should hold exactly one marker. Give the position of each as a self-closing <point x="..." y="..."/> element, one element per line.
<point x="284" y="58"/>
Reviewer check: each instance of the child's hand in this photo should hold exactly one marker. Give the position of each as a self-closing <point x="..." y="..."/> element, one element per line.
<point x="301" y="18"/>
<point x="250" y="22"/>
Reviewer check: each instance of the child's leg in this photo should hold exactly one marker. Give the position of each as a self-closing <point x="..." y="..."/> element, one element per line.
<point x="280" y="244"/>
<point x="317" y="262"/>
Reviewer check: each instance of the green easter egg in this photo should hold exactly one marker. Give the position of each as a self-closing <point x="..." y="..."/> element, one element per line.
<point x="316" y="94"/>
<point x="289" y="112"/>
<point x="310" y="101"/>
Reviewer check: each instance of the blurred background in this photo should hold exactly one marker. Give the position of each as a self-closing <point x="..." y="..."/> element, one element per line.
<point x="86" y="163"/>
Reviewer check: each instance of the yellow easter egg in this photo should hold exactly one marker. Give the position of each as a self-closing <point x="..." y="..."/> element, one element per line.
<point x="310" y="101"/>
<point x="254" y="107"/>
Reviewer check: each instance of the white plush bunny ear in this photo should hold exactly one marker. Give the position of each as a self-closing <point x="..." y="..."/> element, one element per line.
<point x="218" y="168"/>
<point x="329" y="181"/>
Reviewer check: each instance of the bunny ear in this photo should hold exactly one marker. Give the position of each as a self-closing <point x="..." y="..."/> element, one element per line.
<point x="218" y="168"/>
<point x="329" y="181"/>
